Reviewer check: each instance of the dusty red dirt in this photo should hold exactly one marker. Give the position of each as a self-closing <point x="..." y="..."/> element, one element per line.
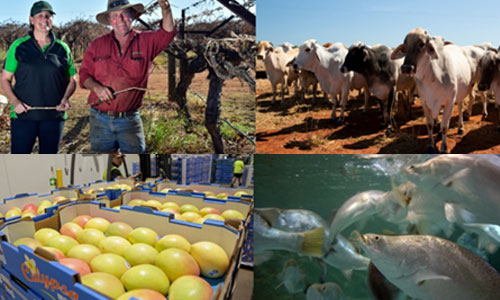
<point x="296" y="126"/>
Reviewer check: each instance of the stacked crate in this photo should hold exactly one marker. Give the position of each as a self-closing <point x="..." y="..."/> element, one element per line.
<point x="224" y="170"/>
<point x="186" y="169"/>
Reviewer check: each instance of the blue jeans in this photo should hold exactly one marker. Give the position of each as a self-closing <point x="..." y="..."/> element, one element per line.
<point x="108" y="134"/>
<point x="24" y="134"/>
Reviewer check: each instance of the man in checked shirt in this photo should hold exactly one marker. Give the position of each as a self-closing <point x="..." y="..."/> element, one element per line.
<point x="118" y="61"/>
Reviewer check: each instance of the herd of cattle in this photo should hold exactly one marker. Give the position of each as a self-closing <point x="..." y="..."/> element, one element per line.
<point x="441" y="73"/>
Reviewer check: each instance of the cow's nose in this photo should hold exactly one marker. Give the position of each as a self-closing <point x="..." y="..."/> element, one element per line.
<point x="260" y="56"/>
<point x="343" y="69"/>
<point x="482" y="86"/>
<point x="407" y="69"/>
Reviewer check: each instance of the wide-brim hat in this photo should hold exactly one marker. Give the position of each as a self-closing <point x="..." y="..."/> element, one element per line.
<point x="117" y="5"/>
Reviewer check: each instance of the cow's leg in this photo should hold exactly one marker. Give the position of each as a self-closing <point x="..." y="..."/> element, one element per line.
<point x="498" y="114"/>
<point x="212" y="112"/>
<point x="484" y="100"/>
<point x="471" y="103"/>
<point x="315" y="90"/>
<point x="334" y="100"/>
<point x="274" y="86"/>
<point x="366" y="92"/>
<point x="382" y="111"/>
<point x="284" y="88"/>
<point x="390" y="101"/>
<point x="460" y="118"/>
<point x="430" y="127"/>
<point x="343" y="102"/>
<point x="411" y="100"/>
<point x="445" y="123"/>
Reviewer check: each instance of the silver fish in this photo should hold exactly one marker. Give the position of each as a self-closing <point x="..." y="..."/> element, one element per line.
<point x="468" y="184"/>
<point x="389" y="205"/>
<point x="292" y="220"/>
<point x="292" y="277"/>
<point x="342" y="255"/>
<point x="429" y="268"/>
<point x="304" y="243"/>
<point x="324" y="291"/>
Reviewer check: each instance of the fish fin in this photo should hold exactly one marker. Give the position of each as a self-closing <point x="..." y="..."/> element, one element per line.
<point x="333" y="213"/>
<point x="456" y="214"/>
<point x="386" y="231"/>
<point x="402" y="199"/>
<point x="331" y="240"/>
<point x="347" y="274"/>
<point x="423" y="276"/>
<point x="490" y="230"/>
<point x="313" y="241"/>
<point x="270" y="215"/>
<point x="262" y="257"/>
<point x="279" y="285"/>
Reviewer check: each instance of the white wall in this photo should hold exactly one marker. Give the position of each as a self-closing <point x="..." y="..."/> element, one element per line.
<point x="31" y="173"/>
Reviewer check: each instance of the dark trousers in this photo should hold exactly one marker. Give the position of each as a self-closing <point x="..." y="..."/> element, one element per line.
<point x="25" y="132"/>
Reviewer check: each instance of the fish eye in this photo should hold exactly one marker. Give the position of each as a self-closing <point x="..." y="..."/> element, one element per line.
<point x="376" y="237"/>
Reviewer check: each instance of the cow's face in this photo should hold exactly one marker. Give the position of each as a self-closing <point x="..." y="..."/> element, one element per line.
<point x="417" y="43"/>
<point x="488" y="67"/>
<point x="264" y="48"/>
<point x="356" y="59"/>
<point x="307" y="55"/>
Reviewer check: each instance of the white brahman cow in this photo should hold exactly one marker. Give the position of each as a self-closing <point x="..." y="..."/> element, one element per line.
<point x="443" y="77"/>
<point x="325" y="64"/>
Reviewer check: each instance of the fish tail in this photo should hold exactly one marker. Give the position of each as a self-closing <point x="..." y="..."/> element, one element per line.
<point x="313" y="241"/>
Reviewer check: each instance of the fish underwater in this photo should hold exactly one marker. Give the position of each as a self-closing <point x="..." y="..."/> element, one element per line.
<point x="292" y="278"/>
<point x="391" y="206"/>
<point x="324" y="291"/>
<point x="430" y="268"/>
<point x="302" y="237"/>
<point x="308" y="242"/>
<point x="467" y="188"/>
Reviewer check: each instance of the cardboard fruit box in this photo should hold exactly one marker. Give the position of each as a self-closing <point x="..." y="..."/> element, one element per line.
<point x="13" y="288"/>
<point x="45" y="276"/>
<point x="197" y="199"/>
<point x="21" y="200"/>
<point x="106" y="187"/>
<point x="214" y="188"/>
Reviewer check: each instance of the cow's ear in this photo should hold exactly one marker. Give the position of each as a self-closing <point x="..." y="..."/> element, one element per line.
<point x="431" y="49"/>
<point x="399" y="52"/>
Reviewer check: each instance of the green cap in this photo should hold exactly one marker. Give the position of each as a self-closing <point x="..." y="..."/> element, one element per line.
<point x="40" y="6"/>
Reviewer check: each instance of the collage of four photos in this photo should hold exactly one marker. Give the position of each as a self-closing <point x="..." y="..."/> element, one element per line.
<point x="243" y="149"/>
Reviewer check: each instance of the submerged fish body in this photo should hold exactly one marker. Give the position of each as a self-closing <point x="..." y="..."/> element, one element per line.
<point x="269" y="238"/>
<point x="425" y="210"/>
<point x="292" y="220"/>
<point x="292" y="277"/>
<point x="428" y="268"/>
<point x="341" y="255"/>
<point x="358" y="207"/>
<point x="468" y="184"/>
<point x="344" y="256"/>
<point x="324" y="291"/>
